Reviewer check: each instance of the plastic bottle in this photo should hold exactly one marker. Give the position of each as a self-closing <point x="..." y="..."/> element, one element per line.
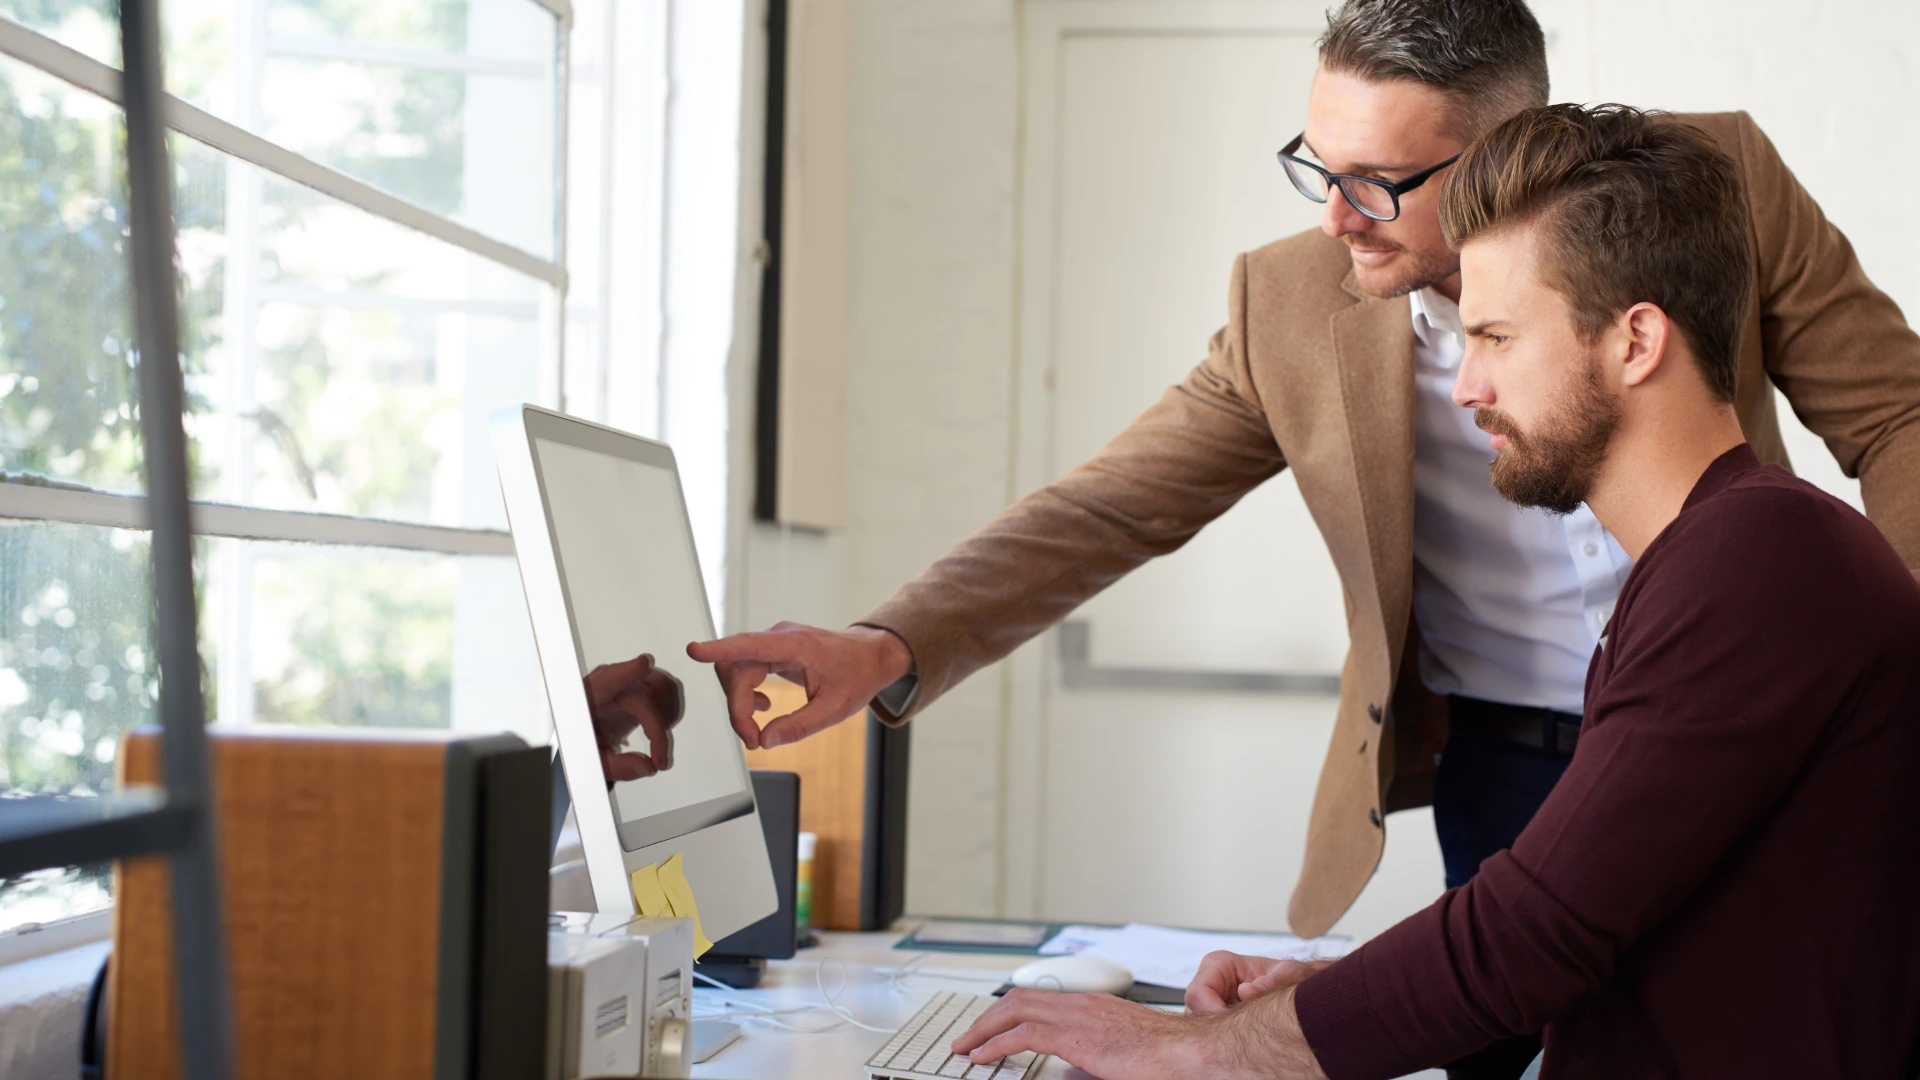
<point x="803" y="882"/>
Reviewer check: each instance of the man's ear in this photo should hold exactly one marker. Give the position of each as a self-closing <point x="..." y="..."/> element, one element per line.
<point x="1648" y="332"/>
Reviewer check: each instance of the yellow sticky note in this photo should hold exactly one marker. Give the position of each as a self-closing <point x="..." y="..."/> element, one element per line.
<point x="673" y="878"/>
<point x="647" y="893"/>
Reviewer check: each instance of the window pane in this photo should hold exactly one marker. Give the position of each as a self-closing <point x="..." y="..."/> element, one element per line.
<point x="352" y="372"/>
<point x="76" y="671"/>
<point x="446" y="103"/>
<point x="290" y="633"/>
<point x="65" y="314"/>
<point x="500" y="30"/>
<point x="375" y="358"/>
<point x="76" y="653"/>
<point x="340" y="636"/>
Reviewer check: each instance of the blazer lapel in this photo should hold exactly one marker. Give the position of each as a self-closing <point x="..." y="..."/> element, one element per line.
<point x="1374" y="343"/>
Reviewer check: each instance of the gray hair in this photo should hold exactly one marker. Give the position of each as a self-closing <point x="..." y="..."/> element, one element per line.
<point x="1489" y="56"/>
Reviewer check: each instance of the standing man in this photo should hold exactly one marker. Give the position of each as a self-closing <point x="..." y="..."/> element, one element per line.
<point x="1471" y="621"/>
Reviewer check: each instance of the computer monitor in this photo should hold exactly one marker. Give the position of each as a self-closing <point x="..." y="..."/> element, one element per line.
<point x="608" y="564"/>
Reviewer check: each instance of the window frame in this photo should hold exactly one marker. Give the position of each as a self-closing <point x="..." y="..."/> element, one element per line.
<point x="33" y="498"/>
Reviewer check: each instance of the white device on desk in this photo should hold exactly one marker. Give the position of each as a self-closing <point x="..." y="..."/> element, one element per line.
<point x="1073" y="975"/>
<point x="619" y="996"/>
<point x="607" y="560"/>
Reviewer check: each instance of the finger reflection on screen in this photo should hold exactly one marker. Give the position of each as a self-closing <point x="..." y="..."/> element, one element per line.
<point x="629" y="696"/>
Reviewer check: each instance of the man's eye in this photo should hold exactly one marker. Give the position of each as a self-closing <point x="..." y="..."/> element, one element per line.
<point x="1497" y="339"/>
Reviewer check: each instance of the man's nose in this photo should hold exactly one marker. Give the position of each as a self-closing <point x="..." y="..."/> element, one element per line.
<point x="1470" y="387"/>
<point x="1340" y="218"/>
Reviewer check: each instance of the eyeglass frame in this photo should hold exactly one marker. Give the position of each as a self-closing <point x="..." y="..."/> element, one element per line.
<point x="1394" y="189"/>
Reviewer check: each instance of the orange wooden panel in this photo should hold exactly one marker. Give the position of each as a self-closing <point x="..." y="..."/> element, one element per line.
<point x="833" y="791"/>
<point x="330" y="848"/>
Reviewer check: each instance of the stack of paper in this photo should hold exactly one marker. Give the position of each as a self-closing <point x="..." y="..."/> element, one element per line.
<point x="1164" y="956"/>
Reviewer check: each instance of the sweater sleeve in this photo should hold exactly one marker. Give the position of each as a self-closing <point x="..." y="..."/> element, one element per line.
<point x="1720" y="672"/>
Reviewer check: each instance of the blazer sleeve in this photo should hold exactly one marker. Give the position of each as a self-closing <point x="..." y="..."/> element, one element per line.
<point x="1837" y="346"/>
<point x="1181" y="464"/>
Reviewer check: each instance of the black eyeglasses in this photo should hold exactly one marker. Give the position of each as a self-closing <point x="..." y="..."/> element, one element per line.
<point x="1378" y="199"/>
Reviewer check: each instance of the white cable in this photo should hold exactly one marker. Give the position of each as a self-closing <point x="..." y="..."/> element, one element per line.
<point x="833" y="999"/>
<point x="829" y="1001"/>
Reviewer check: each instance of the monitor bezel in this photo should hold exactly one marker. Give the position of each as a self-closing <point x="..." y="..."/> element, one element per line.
<point x="726" y="858"/>
<point x="564" y="430"/>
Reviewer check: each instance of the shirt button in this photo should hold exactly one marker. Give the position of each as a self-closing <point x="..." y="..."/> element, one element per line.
<point x="1591" y="550"/>
<point x="1374" y="816"/>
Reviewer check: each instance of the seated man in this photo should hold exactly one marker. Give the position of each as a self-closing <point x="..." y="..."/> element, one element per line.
<point x="1727" y="880"/>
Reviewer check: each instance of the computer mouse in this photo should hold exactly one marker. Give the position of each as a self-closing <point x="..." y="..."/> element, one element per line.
<point x="1074" y="975"/>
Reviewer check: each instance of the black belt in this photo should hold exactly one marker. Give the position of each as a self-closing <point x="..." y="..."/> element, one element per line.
<point x="1542" y="729"/>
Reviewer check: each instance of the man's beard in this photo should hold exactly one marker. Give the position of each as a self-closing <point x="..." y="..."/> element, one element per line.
<point x="1554" y="468"/>
<point x="1414" y="272"/>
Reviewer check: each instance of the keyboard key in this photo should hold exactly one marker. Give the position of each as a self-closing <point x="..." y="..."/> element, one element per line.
<point x="957" y="1067"/>
<point x="983" y="1072"/>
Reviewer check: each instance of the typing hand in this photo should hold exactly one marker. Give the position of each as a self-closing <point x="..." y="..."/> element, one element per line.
<point x="841" y="670"/>
<point x="1226" y="979"/>
<point x="634" y="694"/>
<point x="1119" y="1040"/>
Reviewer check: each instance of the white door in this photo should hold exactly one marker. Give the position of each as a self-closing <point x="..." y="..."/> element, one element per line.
<point x="1166" y="741"/>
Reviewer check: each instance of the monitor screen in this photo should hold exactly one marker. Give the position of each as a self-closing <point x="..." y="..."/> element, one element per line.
<point x="632" y="585"/>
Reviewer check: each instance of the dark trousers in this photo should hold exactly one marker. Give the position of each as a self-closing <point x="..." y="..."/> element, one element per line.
<point x="1486" y="790"/>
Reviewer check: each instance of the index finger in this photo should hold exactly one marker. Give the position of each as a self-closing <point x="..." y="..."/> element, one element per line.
<point x="763" y="646"/>
<point x="1204" y="1000"/>
<point x="1002" y="1016"/>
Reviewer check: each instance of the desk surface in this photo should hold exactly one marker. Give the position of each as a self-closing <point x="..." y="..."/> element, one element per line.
<point x="765" y="1052"/>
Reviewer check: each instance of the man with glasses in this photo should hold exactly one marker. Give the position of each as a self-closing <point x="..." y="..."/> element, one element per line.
<point x="1471" y="621"/>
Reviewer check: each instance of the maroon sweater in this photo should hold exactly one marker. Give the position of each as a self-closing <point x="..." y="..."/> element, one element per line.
<point x="1726" y="882"/>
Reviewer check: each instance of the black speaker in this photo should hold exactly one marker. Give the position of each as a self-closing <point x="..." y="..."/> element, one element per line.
<point x="740" y="957"/>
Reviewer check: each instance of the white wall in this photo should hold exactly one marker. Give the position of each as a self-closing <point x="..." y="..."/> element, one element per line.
<point x="934" y="167"/>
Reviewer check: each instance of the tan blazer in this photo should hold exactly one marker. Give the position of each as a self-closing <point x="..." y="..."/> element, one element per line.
<point x="1312" y="374"/>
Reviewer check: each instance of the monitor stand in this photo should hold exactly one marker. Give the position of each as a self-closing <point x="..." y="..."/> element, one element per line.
<point x="562" y="802"/>
<point x="739" y="972"/>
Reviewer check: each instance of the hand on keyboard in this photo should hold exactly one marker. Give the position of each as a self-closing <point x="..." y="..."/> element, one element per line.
<point x="1119" y="1040"/>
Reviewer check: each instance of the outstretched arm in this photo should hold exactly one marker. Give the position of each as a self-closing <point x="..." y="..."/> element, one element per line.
<point x="1181" y="464"/>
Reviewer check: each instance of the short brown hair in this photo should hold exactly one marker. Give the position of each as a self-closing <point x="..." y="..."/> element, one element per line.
<point x="1636" y="207"/>
<point x="1488" y="56"/>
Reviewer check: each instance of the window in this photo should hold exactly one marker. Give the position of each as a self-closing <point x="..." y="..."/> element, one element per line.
<point x="371" y="214"/>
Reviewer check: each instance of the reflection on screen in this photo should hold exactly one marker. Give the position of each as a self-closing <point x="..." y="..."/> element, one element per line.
<point x="629" y="570"/>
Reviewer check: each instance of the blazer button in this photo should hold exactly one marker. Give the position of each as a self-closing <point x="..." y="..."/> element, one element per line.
<point x="1373" y="713"/>
<point x="1374" y="816"/>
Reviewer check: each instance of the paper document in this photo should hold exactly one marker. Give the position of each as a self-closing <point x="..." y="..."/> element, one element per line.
<point x="1164" y="956"/>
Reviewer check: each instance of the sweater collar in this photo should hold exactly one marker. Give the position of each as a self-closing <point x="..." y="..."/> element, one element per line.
<point x="1720" y="475"/>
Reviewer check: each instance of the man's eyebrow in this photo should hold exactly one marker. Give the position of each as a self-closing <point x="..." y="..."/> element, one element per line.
<point x="1481" y="329"/>
<point x="1361" y="168"/>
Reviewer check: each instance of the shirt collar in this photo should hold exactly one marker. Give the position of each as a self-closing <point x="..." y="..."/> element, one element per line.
<point x="1433" y="313"/>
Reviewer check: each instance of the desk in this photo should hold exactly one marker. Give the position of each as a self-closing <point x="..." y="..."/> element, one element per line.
<point x="765" y="1052"/>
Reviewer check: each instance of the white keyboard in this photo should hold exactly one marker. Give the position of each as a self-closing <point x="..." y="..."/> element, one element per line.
<point x="919" y="1050"/>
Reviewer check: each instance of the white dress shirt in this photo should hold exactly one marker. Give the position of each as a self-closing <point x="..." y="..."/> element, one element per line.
<point x="1509" y="601"/>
